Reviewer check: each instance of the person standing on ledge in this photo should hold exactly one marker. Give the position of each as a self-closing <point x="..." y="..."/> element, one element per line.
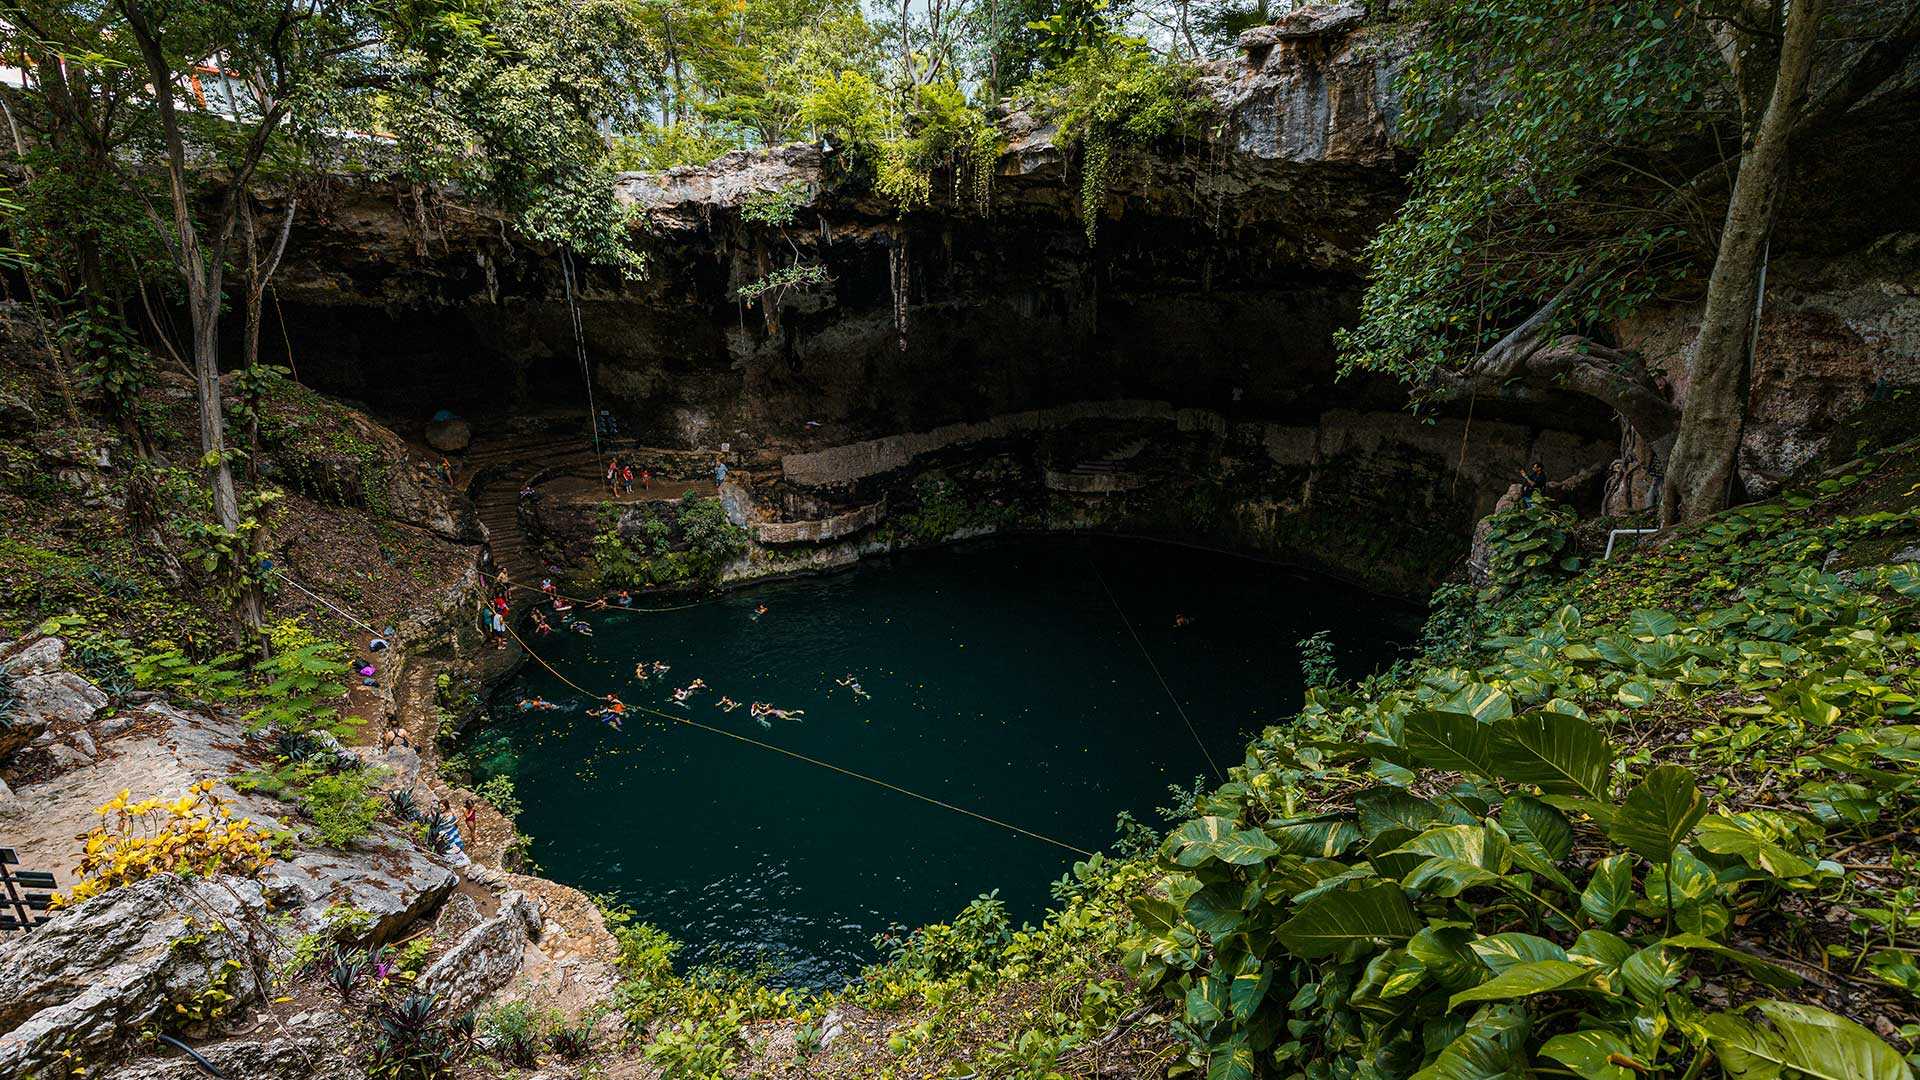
<point x="1533" y="479"/>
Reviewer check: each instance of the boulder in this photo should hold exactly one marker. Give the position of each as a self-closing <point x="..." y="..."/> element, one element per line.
<point x="450" y="436"/>
<point x="385" y="875"/>
<point x="66" y="757"/>
<point x="95" y="974"/>
<point x="485" y="958"/>
<point x="1312" y="21"/>
<point x="16" y="416"/>
<point x="316" y="1054"/>
<point x="57" y="697"/>
<point x="39" y="657"/>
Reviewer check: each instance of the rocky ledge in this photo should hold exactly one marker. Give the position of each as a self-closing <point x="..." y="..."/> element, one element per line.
<point x="101" y="976"/>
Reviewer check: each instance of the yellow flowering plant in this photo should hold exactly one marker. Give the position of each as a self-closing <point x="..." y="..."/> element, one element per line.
<point x="195" y="834"/>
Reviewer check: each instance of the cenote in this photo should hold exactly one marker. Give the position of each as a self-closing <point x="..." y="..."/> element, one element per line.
<point x="1002" y="679"/>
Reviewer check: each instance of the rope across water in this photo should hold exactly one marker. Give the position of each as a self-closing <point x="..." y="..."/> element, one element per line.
<point x="797" y="756"/>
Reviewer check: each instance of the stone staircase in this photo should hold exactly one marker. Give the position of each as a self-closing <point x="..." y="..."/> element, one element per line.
<point x="1113" y="473"/>
<point x="496" y="474"/>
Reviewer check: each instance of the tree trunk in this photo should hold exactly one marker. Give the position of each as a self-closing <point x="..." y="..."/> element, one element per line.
<point x="1700" y="471"/>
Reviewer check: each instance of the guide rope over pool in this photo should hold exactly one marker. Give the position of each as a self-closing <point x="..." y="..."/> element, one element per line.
<point x="897" y="789"/>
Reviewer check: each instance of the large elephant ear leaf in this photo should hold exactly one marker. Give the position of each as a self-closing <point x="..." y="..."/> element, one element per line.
<point x="1820" y="1044"/>
<point x="1648" y="624"/>
<point x="1660" y="813"/>
<point x="1532" y="822"/>
<point x="1560" y="753"/>
<point x="1385" y="807"/>
<point x="1480" y="701"/>
<point x="1323" y="925"/>
<point x="1208" y="838"/>
<point x="1449" y="740"/>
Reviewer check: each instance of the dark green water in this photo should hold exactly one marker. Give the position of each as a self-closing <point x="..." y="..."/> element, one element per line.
<point x="1002" y="680"/>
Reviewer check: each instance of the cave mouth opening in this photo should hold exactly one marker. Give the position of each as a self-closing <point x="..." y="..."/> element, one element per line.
<point x="1001" y="677"/>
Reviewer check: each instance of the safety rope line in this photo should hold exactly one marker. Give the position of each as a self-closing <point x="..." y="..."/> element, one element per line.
<point x="1155" y="668"/>
<point x="288" y="578"/>
<point x="799" y="756"/>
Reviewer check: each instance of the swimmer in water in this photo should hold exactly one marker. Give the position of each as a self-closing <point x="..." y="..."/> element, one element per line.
<point x="560" y="604"/>
<point x="1182" y="620"/>
<point x="660" y="668"/>
<point x="581" y="627"/>
<point x="538" y="704"/>
<point x="681" y="695"/>
<point x="853" y="684"/>
<point x="785" y="714"/>
<point x="640" y="671"/>
<point x="698" y="683"/>
<point x="613" y="710"/>
<point x="727" y="703"/>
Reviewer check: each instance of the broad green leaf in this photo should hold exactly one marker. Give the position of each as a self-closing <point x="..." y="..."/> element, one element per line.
<point x="1385" y="807"/>
<point x="1322" y="838"/>
<point x="1821" y="1044"/>
<point x="1459" y="857"/>
<point x="1659" y="813"/>
<point x="1501" y="952"/>
<point x="1591" y="1054"/>
<point x="1647" y="625"/>
<point x="1249" y="990"/>
<point x="1609" y="950"/>
<point x="1154" y="915"/>
<point x="1207" y="1000"/>
<point x="1528" y="820"/>
<point x="1234" y="1061"/>
<point x="1331" y="920"/>
<point x="1480" y="701"/>
<point x="1610" y="891"/>
<point x="1746" y="1050"/>
<point x="1449" y="740"/>
<point x="1748" y="837"/>
<point x="1474" y="1056"/>
<point x="1560" y="753"/>
<point x="1443" y="951"/>
<point x="1210" y="838"/>
<point x="1541" y="837"/>
<point x="1650" y="973"/>
<point x="1763" y="969"/>
<point x="1525" y="980"/>
<point x="1216" y="910"/>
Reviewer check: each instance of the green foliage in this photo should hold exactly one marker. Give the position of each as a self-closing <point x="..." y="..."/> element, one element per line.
<point x="1529" y="541"/>
<point x="414" y="1039"/>
<point x="656" y="148"/>
<point x="342" y="805"/>
<point x="111" y="361"/>
<point x="695" y="1020"/>
<point x="300" y="684"/>
<point x="1455" y="870"/>
<point x="528" y="84"/>
<point x="1550" y="131"/>
<point x="907" y="144"/>
<point x="1116" y="99"/>
<point x="688" y="542"/>
<point x="1319" y="665"/>
<point x="498" y="793"/>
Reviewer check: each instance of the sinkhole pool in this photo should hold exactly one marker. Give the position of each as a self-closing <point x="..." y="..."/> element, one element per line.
<point x="1001" y="678"/>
